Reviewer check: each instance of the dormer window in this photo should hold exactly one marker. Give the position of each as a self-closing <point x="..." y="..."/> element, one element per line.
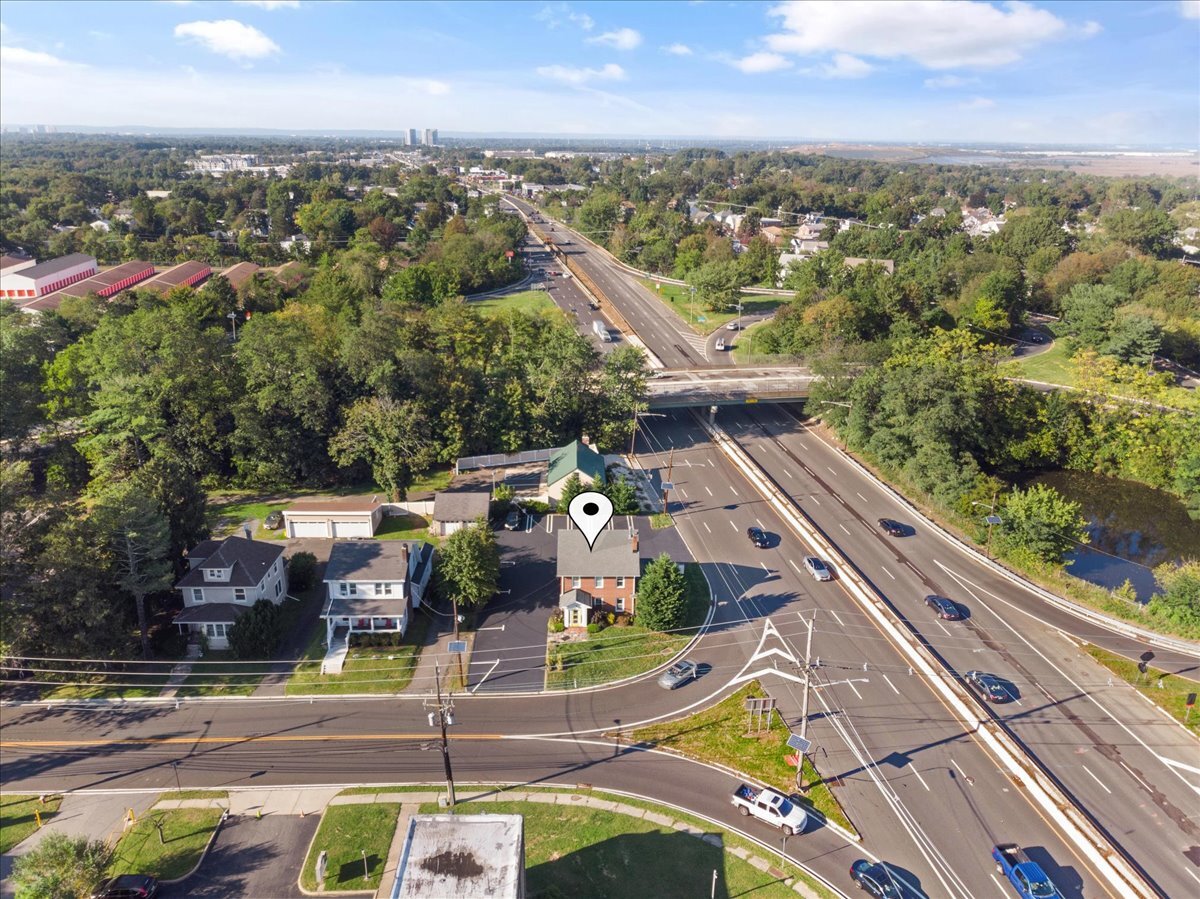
<point x="216" y="574"/>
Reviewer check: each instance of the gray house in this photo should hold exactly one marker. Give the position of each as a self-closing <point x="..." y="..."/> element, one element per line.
<point x="224" y="578"/>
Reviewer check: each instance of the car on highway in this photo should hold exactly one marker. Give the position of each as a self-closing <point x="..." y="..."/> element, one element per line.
<point x="771" y="806"/>
<point x="734" y="325"/>
<point x="758" y="537"/>
<point x="944" y="608"/>
<point x="990" y="687"/>
<point x="128" y="886"/>
<point x="892" y="527"/>
<point x="273" y="521"/>
<point x="817" y="568"/>
<point x="882" y="880"/>
<point x="720" y="346"/>
<point x="678" y="674"/>
<point x="512" y="521"/>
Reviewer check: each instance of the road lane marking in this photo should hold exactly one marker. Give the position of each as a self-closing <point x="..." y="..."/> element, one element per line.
<point x="246" y="738"/>
<point x="734" y="489"/>
<point x="1096" y="779"/>
<point x="997" y="883"/>
<point x="890" y="684"/>
<point x="789" y="474"/>
<point x="710" y="493"/>
<point x="938" y="621"/>
<point x="1133" y="774"/>
<point x="1175" y="764"/>
<point x="764" y="567"/>
<point x="794" y="565"/>
<point x="960" y="770"/>
<point x="888" y="573"/>
<point x="802" y="443"/>
<point x="681" y="492"/>
<point x="921" y="779"/>
<point x="836" y="618"/>
<point x="860" y="496"/>
<point x="843" y="527"/>
<point x="1194" y="876"/>
<point x="850" y="684"/>
<point x="706" y="527"/>
<point x="815" y="500"/>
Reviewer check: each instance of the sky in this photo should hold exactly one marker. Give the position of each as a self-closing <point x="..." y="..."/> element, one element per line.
<point x="1123" y="73"/>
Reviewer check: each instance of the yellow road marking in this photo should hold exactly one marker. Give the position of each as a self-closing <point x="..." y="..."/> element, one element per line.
<point x="267" y="738"/>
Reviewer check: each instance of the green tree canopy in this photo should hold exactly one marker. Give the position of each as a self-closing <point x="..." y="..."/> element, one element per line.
<point x="256" y="634"/>
<point x="468" y="565"/>
<point x="61" y="867"/>
<point x="1039" y="522"/>
<point x="661" y="595"/>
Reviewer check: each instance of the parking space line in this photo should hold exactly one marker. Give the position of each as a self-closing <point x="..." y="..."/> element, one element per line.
<point x="850" y="684"/>
<point x="732" y="525"/>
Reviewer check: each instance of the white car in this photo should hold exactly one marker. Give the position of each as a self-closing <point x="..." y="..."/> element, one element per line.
<point x="818" y="569"/>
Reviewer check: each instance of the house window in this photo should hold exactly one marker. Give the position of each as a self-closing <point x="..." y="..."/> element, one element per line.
<point x="620" y="603"/>
<point x="197" y="594"/>
<point x="599" y="583"/>
<point x="620" y="581"/>
<point x="215" y="630"/>
<point x="596" y="601"/>
<point x="343" y="589"/>
<point x="387" y="589"/>
<point x="379" y="589"/>
<point x="353" y="589"/>
<point x="576" y="583"/>
<point x="278" y="587"/>
<point x="239" y="594"/>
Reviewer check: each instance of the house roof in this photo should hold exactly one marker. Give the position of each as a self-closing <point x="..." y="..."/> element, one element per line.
<point x="855" y="261"/>
<point x="348" y="504"/>
<point x="461" y="505"/>
<point x="368" y="560"/>
<point x="571" y="597"/>
<point x="367" y="606"/>
<point x="249" y="560"/>
<point x="239" y="273"/>
<point x="612" y="555"/>
<point x="575" y="456"/>
<point x="211" y="613"/>
<point x="461" y="855"/>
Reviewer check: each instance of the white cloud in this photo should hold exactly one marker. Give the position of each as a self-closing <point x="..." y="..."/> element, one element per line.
<point x="270" y="5"/>
<point x="19" y="56"/>
<point x="577" y="76"/>
<point x="685" y="50"/>
<point x="758" y="63"/>
<point x="228" y="37"/>
<point x="978" y="103"/>
<point x="1189" y="9"/>
<point x="556" y="14"/>
<point x="937" y="34"/>
<point x="621" y="39"/>
<point x="941" y="82"/>
<point x="846" y="66"/>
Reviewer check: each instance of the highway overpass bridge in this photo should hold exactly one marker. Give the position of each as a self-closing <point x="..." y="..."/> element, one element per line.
<point x="727" y="387"/>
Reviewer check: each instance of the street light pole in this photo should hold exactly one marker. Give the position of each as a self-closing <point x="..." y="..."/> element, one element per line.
<point x="443" y="711"/>
<point x="810" y="624"/>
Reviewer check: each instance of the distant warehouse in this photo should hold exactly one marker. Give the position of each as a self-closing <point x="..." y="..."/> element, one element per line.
<point x="23" y="283"/>
<point x="239" y="274"/>
<point x="106" y="284"/>
<point x="186" y="274"/>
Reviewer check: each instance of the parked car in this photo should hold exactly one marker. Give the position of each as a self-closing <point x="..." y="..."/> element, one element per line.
<point x="892" y="527"/>
<point x="817" y="568"/>
<point x="512" y="521"/>
<point x="128" y="886"/>
<point x="882" y="880"/>
<point x="990" y="687"/>
<point x="758" y="537"/>
<point x="273" y="521"/>
<point x="771" y="806"/>
<point x="678" y="674"/>
<point x="944" y="608"/>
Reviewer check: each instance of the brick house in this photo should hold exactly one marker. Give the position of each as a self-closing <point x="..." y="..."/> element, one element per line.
<point x="601" y="579"/>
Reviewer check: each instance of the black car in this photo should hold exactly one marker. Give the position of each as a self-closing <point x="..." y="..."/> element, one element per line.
<point x="945" y="608"/>
<point x="273" y="521"/>
<point x="128" y="886"/>
<point x="758" y="537"/>
<point x="894" y="528"/>
<point x="882" y="880"/>
<point x="990" y="687"/>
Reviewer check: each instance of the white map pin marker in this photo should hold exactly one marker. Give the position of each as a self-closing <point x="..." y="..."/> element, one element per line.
<point x="591" y="513"/>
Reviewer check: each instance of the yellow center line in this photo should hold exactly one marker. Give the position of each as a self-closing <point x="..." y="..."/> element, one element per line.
<point x="268" y="738"/>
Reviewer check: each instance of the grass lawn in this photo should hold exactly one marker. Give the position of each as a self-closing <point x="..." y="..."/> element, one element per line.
<point x="227" y="512"/>
<point x="584" y="852"/>
<point x="525" y="301"/>
<point x="1055" y="366"/>
<point x="17" y="820"/>
<point x="193" y="794"/>
<point x="147" y="680"/>
<point x="226" y="677"/>
<point x="1168" y="690"/>
<point x="345" y="832"/>
<point x="679" y="299"/>
<point x="408" y="526"/>
<point x="618" y="652"/>
<point x="367" y="669"/>
<point x="185" y="832"/>
<point x="744" y="343"/>
<point x="718" y="734"/>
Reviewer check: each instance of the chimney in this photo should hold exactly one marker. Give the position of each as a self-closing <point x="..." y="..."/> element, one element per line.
<point x="585" y="440"/>
<point x="633" y="540"/>
<point x="249" y="534"/>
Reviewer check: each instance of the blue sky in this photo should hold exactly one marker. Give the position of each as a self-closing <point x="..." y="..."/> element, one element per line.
<point x="1050" y="72"/>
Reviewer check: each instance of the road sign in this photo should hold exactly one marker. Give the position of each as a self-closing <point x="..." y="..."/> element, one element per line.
<point x="793" y="760"/>
<point x="1191" y="700"/>
<point x="668" y="485"/>
<point x="798" y="743"/>
<point x="457" y="646"/>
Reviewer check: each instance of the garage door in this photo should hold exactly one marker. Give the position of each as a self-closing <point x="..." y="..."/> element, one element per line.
<point x="352" y="529"/>
<point x="310" y="529"/>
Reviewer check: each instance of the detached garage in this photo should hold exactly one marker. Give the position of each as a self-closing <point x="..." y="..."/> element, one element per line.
<point x="333" y="518"/>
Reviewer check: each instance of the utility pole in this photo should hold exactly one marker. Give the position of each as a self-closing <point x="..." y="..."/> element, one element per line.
<point x="670" y="466"/>
<point x="811" y="623"/>
<point x="442" y="715"/>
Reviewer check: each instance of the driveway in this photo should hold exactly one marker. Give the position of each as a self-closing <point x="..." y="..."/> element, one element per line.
<point x="252" y="858"/>
<point x="510" y="641"/>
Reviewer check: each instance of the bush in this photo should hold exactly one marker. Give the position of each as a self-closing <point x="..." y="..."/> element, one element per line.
<point x="594" y="628"/>
<point x="662" y="595"/>
<point x="256" y="634"/>
<point x="556" y="625"/>
<point x="61" y="867"/>
<point x="503" y="493"/>
<point x="624" y="619"/>
<point x="302" y="567"/>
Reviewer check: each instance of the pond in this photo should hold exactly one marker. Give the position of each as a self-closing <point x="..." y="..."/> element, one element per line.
<point x="1133" y="528"/>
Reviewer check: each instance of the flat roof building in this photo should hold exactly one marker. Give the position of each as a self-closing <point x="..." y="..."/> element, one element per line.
<point x="107" y="283"/>
<point x="239" y="274"/>
<point x="186" y="274"/>
<point x="21" y="283"/>
<point x="462" y="855"/>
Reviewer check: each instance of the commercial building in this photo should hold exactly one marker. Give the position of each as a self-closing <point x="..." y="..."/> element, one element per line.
<point x="240" y="273"/>
<point x="410" y="139"/>
<point x="430" y="137"/>
<point x="19" y="282"/>
<point x="106" y="284"/>
<point x="186" y="274"/>
<point x="462" y="855"/>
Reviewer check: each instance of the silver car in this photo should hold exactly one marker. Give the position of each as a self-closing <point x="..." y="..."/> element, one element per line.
<point x="677" y="675"/>
<point x="817" y="568"/>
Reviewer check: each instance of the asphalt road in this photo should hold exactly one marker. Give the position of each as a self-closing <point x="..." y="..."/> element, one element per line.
<point x="1133" y="769"/>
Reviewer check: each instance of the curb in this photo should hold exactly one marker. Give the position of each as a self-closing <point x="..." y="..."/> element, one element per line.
<point x="203" y="855"/>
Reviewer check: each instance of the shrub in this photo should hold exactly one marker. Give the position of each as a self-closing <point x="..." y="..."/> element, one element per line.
<point x="594" y="628"/>
<point x="302" y="567"/>
<point x="256" y="634"/>
<point x="556" y="625"/>
<point x="624" y="619"/>
<point x="62" y="867"/>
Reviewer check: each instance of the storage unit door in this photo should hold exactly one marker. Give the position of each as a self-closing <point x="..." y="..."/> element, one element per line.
<point x="352" y="528"/>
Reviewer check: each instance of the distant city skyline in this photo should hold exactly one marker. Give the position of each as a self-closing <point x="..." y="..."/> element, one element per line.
<point x="1070" y="73"/>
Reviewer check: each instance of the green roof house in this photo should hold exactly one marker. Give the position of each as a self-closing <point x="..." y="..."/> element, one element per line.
<point x="574" y="458"/>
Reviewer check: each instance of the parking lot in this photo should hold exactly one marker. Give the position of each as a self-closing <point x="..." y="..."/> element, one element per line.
<point x="252" y="857"/>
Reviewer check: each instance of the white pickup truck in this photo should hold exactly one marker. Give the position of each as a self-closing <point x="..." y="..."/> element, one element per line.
<point x="772" y="807"/>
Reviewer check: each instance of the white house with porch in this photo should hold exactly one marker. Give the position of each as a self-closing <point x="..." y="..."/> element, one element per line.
<point x="371" y="586"/>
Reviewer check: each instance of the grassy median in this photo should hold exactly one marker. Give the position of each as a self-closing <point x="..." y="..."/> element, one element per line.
<point x="350" y="834"/>
<point x="185" y="833"/>
<point x="1167" y="690"/>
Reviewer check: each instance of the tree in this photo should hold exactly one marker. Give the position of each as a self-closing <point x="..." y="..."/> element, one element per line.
<point x="1088" y="312"/>
<point x="1040" y="523"/>
<point x="620" y="392"/>
<point x="572" y="487"/>
<point x="1148" y="230"/>
<point x="256" y="634"/>
<point x="468" y="566"/>
<point x="138" y="534"/>
<point x="1133" y="338"/>
<point x="662" y="595"/>
<point x="393" y="438"/>
<point x="301" y="568"/>
<point x="61" y="867"/>
<point x="718" y="284"/>
<point x="623" y="495"/>
<point x="1179" y="601"/>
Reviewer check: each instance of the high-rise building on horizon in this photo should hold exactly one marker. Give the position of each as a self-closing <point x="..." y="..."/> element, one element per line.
<point x="410" y="139"/>
<point x="429" y="138"/>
